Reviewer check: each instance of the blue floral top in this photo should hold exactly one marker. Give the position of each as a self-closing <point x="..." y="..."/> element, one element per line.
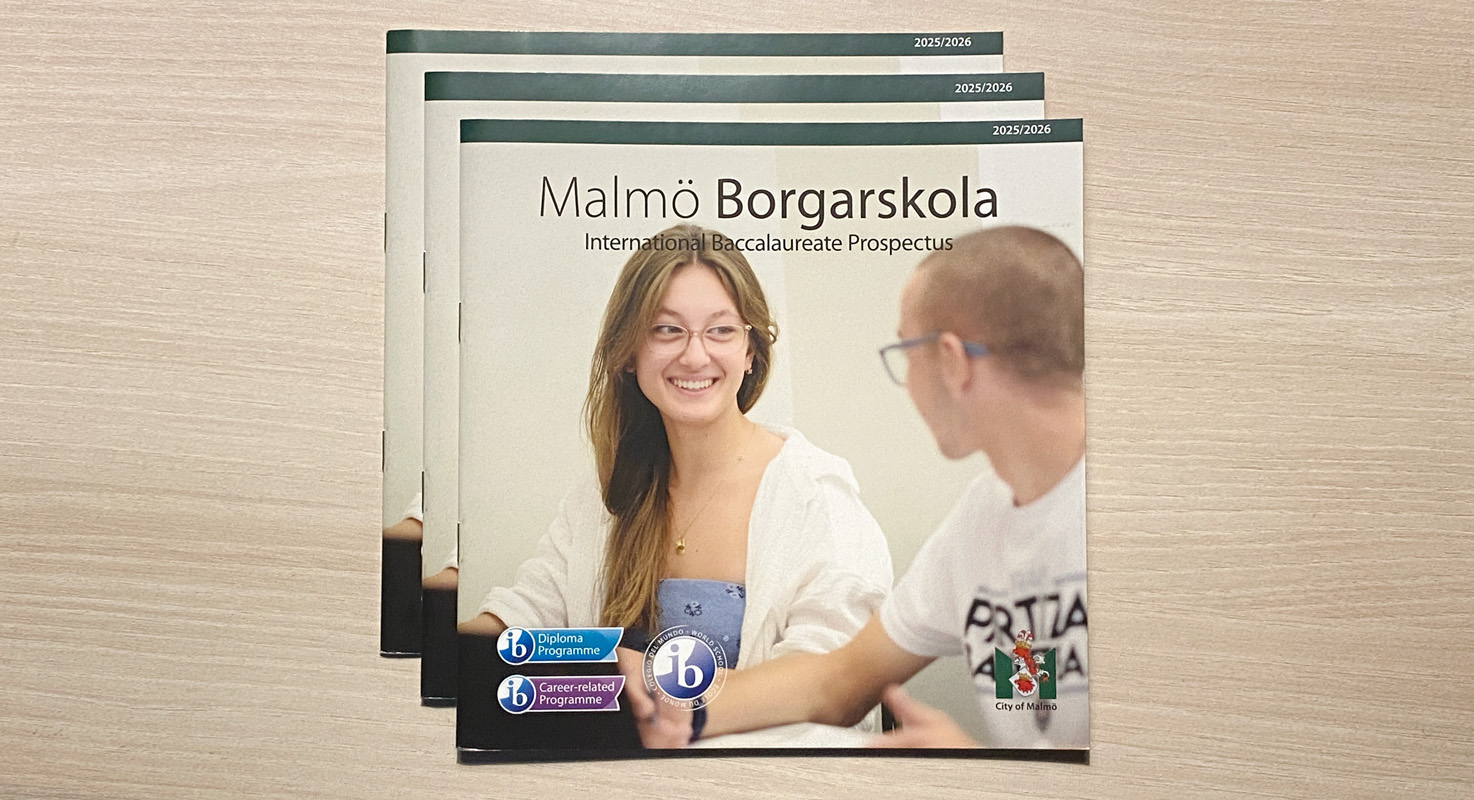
<point x="714" y="608"/>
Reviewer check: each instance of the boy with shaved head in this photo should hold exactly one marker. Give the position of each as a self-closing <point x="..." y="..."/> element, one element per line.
<point x="992" y="354"/>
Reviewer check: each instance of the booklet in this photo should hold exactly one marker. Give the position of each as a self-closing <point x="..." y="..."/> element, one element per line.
<point x="832" y="218"/>
<point x="412" y="53"/>
<point x="453" y="96"/>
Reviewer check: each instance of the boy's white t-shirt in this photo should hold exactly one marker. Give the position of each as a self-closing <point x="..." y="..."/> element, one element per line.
<point x="990" y="571"/>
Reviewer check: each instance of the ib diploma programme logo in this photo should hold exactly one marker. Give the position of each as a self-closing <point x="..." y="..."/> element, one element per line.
<point x="515" y="645"/>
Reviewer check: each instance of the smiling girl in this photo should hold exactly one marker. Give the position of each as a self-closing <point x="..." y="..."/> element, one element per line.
<point x="696" y="515"/>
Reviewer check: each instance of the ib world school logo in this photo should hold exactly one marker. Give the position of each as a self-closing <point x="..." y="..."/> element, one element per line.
<point x="1031" y="673"/>
<point x="684" y="667"/>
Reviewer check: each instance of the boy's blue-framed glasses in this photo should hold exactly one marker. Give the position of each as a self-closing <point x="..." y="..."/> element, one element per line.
<point x="893" y="356"/>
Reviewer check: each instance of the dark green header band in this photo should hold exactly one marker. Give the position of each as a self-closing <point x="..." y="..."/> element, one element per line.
<point x="696" y="44"/>
<point x="604" y="87"/>
<point x="772" y="133"/>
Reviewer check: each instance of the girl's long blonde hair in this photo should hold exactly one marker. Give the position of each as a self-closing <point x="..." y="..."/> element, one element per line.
<point x="631" y="451"/>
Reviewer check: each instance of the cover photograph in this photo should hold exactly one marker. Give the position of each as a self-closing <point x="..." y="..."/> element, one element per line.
<point x="762" y="421"/>
<point x="453" y="96"/>
<point x="412" y="53"/>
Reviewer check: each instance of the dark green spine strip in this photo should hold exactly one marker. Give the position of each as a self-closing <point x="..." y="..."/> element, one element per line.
<point x="772" y="133"/>
<point x="592" y="87"/>
<point x="694" y="44"/>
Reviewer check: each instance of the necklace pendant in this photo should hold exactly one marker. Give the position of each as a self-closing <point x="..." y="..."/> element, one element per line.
<point x="680" y="547"/>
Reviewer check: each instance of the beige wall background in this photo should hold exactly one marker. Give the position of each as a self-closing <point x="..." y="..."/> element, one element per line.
<point x="1279" y="221"/>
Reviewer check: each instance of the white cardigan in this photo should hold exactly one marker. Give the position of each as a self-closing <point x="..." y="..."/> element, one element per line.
<point x="817" y="567"/>
<point x="817" y="562"/>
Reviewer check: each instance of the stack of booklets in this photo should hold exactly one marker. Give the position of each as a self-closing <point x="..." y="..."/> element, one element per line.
<point x="544" y="192"/>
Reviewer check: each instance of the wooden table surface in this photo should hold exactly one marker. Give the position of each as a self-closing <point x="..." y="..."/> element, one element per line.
<point x="1280" y="303"/>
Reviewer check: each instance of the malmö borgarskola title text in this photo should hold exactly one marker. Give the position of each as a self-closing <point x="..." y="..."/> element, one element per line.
<point x="903" y="200"/>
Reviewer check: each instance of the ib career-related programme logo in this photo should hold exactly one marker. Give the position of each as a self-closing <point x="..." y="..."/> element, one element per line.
<point x="684" y="667"/>
<point x="516" y="694"/>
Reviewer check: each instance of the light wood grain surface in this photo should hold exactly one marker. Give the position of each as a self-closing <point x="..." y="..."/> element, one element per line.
<point x="1280" y="303"/>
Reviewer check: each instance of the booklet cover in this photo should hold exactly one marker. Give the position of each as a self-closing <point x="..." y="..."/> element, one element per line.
<point x="453" y="96"/>
<point x="832" y="219"/>
<point x="412" y="53"/>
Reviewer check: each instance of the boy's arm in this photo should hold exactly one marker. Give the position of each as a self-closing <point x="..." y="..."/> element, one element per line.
<point x="836" y="688"/>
